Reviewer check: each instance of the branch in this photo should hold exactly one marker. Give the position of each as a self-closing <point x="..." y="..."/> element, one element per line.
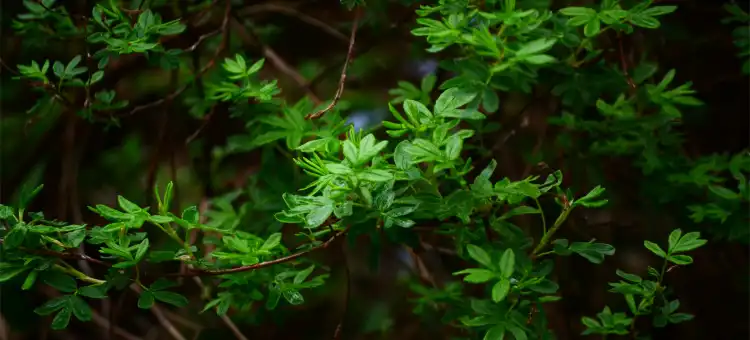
<point x="64" y="255"/>
<point x="201" y="272"/>
<point x="270" y="7"/>
<point x="248" y="36"/>
<point x="163" y="320"/>
<point x="224" y="31"/>
<point x="342" y="79"/>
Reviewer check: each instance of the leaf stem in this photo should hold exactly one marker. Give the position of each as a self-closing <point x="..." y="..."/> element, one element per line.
<point x="77" y="274"/>
<point x="548" y="235"/>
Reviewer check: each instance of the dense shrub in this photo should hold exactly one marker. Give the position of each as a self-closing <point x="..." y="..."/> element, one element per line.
<point x="489" y="172"/>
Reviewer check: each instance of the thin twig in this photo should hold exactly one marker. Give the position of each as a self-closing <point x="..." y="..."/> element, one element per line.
<point x="65" y="255"/>
<point x="163" y="320"/>
<point x="269" y="7"/>
<point x="282" y="66"/>
<point x="624" y="64"/>
<point x="202" y="272"/>
<point x="249" y="36"/>
<point x="237" y="333"/>
<point x="224" y="31"/>
<point x="342" y="79"/>
<point x="340" y="326"/>
<point x="98" y="319"/>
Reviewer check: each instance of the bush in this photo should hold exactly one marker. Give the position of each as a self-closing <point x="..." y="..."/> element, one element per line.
<point x="488" y="162"/>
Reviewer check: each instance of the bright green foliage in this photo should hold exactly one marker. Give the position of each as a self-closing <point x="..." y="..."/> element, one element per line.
<point x="414" y="170"/>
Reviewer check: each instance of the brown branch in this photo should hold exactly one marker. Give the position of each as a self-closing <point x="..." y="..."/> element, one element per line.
<point x="342" y="79"/>
<point x="224" y="31"/>
<point x="347" y="271"/>
<point x="65" y="256"/>
<point x="270" y="7"/>
<point x="624" y="64"/>
<point x="202" y="272"/>
<point x="98" y="319"/>
<point x="160" y="315"/>
<point x="248" y="36"/>
<point x="228" y="321"/>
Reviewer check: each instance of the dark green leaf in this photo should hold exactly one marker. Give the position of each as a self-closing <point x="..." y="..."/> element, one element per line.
<point x="146" y="300"/>
<point x="80" y="308"/>
<point x="191" y="215"/>
<point x="53" y="305"/>
<point x="62" y="319"/>
<point x="60" y="281"/>
<point x="171" y="298"/>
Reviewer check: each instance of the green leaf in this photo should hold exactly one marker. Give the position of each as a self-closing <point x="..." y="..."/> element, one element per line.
<point x="274" y="295"/>
<point x="375" y="175"/>
<point x="476" y="275"/>
<point x="94" y="291"/>
<point x="479" y="255"/>
<point x="589" y="201"/>
<point x="680" y="259"/>
<point x="578" y="11"/>
<point x="592" y="28"/>
<point x="146" y="300"/>
<point x="128" y="206"/>
<point x="500" y="290"/>
<point x="540" y="59"/>
<point x="171" y="298"/>
<point x="191" y="215"/>
<point x="518" y="332"/>
<point x="680" y="317"/>
<point x="594" y="252"/>
<point x="161" y="284"/>
<point x="15" y="237"/>
<point x="60" y="281"/>
<point x="630" y="277"/>
<point x="53" y="305"/>
<point x="520" y="210"/>
<point x="318" y="216"/>
<point x="654" y="248"/>
<point x="303" y="274"/>
<point x="62" y="319"/>
<point x="293" y="297"/>
<point x="30" y="280"/>
<point x="111" y="214"/>
<point x="644" y="21"/>
<point x="451" y="100"/>
<point x="453" y="147"/>
<point x="6" y="212"/>
<point x="507" y="263"/>
<point x="658" y="10"/>
<point x="674" y="239"/>
<point x="724" y="192"/>
<point x="8" y="271"/>
<point x="688" y="242"/>
<point x="80" y="308"/>
<point x="141" y="250"/>
<point x="495" y="333"/>
<point x="536" y="46"/>
<point x="272" y="242"/>
<point x="314" y="145"/>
